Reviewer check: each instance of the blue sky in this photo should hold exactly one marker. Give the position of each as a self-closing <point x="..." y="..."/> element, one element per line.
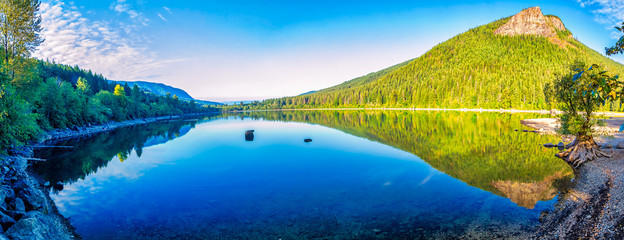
<point x="244" y="50"/>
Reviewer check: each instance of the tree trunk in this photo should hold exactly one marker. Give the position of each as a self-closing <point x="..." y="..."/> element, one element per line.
<point x="583" y="149"/>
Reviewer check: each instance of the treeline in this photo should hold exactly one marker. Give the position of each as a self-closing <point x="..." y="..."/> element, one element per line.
<point x="72" y="96"/>
<point x="476" y="69"/>
<point x="89" y="155"/>
<point x="60" y="96"/>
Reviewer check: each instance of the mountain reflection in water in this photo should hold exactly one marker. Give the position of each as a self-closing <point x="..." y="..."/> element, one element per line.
<point x="480" y="149"/>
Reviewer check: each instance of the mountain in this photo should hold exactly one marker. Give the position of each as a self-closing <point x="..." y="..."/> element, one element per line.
<point x="162" y="89"/>
<point x="503" y="64"/>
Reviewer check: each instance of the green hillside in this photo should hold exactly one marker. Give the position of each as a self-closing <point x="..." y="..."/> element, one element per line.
<point x="475" y="69"/>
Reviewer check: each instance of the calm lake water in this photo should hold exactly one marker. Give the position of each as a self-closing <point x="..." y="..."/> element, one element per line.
<point x="365" y="175"/>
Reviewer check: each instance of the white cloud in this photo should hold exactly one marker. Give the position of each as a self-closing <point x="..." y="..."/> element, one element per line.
<point x="161" y="17"/>
<point x="123" y="7"/>
<point x="168" y="10"/>
<point x="71" y="38"/>
<point x="608" y="12"/>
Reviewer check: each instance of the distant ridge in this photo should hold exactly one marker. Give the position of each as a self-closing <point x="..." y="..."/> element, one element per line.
<point x="306" y="93"/>
<point x="162" y="89"/>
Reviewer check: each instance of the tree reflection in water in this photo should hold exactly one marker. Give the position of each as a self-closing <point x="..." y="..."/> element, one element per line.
<point x="68" y="165"/>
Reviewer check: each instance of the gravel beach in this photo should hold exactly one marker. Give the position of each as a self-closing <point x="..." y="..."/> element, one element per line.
<point x="592" y="206"/>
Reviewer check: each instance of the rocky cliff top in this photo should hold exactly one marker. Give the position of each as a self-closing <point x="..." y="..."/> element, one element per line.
<point x="531" y="21"/>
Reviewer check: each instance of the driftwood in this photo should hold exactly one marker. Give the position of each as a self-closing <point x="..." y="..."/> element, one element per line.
<point x="581" y="151"/>
<point x="36" y="159"/>
<point x="51" y="146"/>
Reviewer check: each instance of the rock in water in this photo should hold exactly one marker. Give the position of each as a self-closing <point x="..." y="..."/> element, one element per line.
<point x="560" y="145"/>
<point x="249" y="135"/>
<point x="307" y="140"/>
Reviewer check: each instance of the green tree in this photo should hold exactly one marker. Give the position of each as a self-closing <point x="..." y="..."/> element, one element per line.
<point x="581" y="92"/>
<point x="119" y="91"/>
<point x="619" y="45"/>
<point x="17" y="122"/>
<point x="20" y="25"/>
<point x="83" y="86"/>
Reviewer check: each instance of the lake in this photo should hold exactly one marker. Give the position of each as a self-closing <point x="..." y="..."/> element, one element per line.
<point x="364" y="175"/>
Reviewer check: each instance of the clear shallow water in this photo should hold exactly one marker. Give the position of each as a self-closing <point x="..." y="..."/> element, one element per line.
<point x="202" y="180"/>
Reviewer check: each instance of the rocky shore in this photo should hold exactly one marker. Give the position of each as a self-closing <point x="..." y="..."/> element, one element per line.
<point x="592" y="206"/>
<point x="27" y="211"/>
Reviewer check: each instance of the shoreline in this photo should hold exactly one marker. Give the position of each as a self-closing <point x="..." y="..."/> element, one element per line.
<point x="403" y="109"/>
<point x="76" y="132"/>
<point x="551" y="112"/>
<point x="27" y="211"/>
<point x="592" y="205"/>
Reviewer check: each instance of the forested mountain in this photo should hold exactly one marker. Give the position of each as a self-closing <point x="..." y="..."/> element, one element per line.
<point x="503" y="64"/>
